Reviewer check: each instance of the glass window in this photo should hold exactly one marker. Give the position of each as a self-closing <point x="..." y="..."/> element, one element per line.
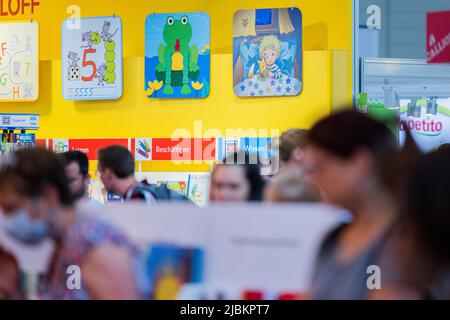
<point x="395" y="28"/>
<point x="391" y="29"/>
<point x="392" y="79"/>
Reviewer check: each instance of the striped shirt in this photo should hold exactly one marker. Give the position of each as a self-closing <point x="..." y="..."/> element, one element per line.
<point x="277" y="74"/>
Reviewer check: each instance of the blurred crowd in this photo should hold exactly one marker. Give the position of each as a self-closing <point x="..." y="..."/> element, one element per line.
<point x="398" y="200"/>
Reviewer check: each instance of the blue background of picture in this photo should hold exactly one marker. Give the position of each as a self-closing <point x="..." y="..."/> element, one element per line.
<point x="296" y="19"/>
<point x="203" y="63"/>
<point x="246" y="145"/>
<point x="263" y="17"/>
<point x="154" y="27"/>
<point x="161" y="255"/>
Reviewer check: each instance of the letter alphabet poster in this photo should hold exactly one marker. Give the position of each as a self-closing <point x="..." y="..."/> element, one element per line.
<point x="19" y="61"/>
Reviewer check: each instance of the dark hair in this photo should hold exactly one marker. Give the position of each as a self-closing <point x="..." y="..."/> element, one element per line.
<point x="289" y="140"/>
<point x="341" y="134"/>
<point x="427" y="201"/>
<point x="79" y="158"/>
<point x="443" y="146"/>
<point x="31" y="170"/>
<point x="398" y="166"/>
<point x="252" y="169"/>
<point x="118" y="159"/>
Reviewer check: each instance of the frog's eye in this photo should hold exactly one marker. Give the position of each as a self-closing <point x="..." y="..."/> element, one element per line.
<point x="170" y="21"/>
<point x="184" y="20"/>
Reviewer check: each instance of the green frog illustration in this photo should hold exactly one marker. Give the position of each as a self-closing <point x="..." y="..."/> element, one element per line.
<point x="177" y="60"/>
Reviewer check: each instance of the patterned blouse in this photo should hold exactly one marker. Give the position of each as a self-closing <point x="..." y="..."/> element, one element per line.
<point x="86" y="233"/>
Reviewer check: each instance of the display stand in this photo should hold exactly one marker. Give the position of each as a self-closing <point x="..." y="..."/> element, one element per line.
<point x="14" y="132"/>
<point x="412" y="91"/>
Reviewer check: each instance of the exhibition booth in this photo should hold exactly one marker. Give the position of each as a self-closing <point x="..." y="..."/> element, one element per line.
<point x="92" y="81"/>
<point x="182" y="84"/>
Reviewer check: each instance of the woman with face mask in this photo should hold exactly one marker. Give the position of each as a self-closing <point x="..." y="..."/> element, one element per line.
<point x="37" y="204"/>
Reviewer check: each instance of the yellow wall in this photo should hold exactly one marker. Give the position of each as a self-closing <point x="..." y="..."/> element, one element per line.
<point x="327" y="27"/>
<point x="329" y="22"/>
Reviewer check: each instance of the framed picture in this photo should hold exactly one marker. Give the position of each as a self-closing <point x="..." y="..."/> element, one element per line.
<point x="177" y="55"/>
<point x="19" y="61"/>
<point x="171" y="267"/>
<point x="267" y="52"/>
<point x="92" y="59"/>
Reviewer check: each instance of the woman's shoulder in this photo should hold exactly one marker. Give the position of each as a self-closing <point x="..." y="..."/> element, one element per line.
<point x="333" y="236"/>
<point x="331" y="240"/>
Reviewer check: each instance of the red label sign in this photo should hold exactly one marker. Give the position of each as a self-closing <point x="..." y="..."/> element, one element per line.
<point x="91" y="146"/>
<point x="162" y="149"/>
<point x="438" y="37"/>
<point x="17" y="7"/>
<point x="183" y="149"/>
<point x="41" y="143"/>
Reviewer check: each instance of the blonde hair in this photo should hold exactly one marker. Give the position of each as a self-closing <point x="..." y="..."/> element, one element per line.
<point x="289" y="140"/>
<point x="269" y="42"/>
<point x="291" y="185"/>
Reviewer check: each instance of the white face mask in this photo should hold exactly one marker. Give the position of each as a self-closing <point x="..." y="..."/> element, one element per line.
<point x="20" y="225"/>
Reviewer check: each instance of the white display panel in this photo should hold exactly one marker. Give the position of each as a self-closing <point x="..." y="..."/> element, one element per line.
<point x="412" y="80"/>
<point x="269" y="248"/>
<point x="409" y="78"/>
<point x="19" y="61"/>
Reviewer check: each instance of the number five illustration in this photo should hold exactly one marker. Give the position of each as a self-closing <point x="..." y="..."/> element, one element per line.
<point x="89" y="63"/>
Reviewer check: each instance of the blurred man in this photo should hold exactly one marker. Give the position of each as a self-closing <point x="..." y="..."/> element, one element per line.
<point x="77" y="172"/>
<point x="116" y="169"/>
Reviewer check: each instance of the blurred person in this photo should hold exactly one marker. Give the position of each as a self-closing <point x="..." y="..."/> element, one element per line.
<point x="423" y="240"/>
<point x="291" y="186"/>
<point x="10" y="288"/>
<point x="237" y="179"/>
<point x="444" y="146"/>
<point x="77" y="172"/>
<point x="116" y="169"/>
<point x="345" y="157"/>
<point x="427" y="208"/>
<point x="291" y="145"/>
<point x="38" y="205"/>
